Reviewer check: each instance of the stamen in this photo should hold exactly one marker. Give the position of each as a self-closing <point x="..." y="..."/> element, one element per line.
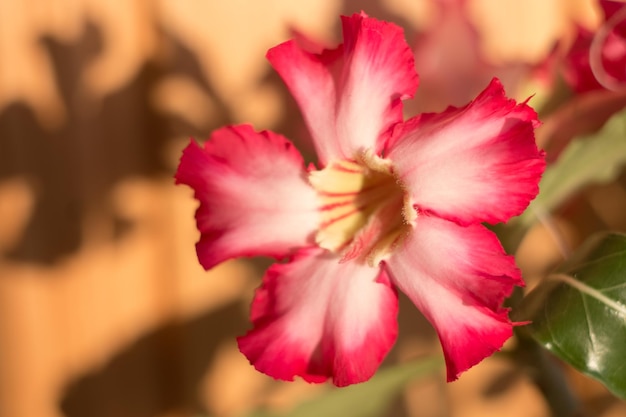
<point x="363" y="208"/>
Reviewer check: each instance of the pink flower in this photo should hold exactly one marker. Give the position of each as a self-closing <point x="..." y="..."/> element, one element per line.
<point x="597" y="60"/>
<point x="450" y="62"/>
<point x="391" y="204"/>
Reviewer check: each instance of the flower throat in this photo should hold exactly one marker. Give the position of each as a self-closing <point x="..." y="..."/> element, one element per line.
<point x="363" y="208"/>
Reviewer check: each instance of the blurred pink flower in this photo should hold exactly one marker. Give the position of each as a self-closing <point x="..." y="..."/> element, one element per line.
<point x="597" y="59"/>
<point x="391" y="204"/>
<point x="595" y="69"/>
<point x="451" y="65"/>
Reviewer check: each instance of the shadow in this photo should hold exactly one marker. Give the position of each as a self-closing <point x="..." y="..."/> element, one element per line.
<point x="378" y="10"/>
<point x="600" y="404"/>
<point x="159" y="374"/>
<point x="74" y="168"/>
<point x="292" y="124"/>
<point x="502" y="382"/>
<point x="412" y="327"/>
<point x="184" y="62"/>
<point x="45" y="160"/>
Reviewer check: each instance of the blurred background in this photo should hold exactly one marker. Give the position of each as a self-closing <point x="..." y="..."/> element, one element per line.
<point x="104" y="309"/>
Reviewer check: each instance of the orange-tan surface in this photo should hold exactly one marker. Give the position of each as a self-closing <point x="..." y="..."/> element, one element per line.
<point x="104" y="310"/>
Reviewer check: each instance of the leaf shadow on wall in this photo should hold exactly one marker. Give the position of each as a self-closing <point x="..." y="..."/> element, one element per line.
<point x="379" y="10"/>
<point x="73" y="169"/>
<point x="158" y="374"/>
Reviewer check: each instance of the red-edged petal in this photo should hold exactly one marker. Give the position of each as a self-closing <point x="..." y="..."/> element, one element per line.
<point x="253" y="193"/>
<point x="379" y="72"/>
<point x="350" y="96"/>
<point x="458" y="277"/>
<point x="477" y="163"/>
<point x="317" y="318"/>
<point x="309" y="78"/>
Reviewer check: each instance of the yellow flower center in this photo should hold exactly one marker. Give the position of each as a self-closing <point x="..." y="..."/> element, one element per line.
<point x="365" y="210"/>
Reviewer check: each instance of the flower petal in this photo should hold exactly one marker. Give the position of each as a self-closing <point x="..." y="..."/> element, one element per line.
<point x="309" y="78"/>
<point x="350" y="96"/>
<point x="317" y="318"/>
<point x="379" y="72"/>
<point x="253" y="193"/>
<point x="458" y="277"/>
<point x="478" y="163"/>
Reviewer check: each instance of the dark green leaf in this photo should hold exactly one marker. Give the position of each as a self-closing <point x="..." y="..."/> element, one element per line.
<point x="369" y="399"/>
<point x="579" y="312"/>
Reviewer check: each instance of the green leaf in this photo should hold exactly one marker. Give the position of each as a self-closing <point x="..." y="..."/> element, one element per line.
<point x="369" y="399"/>
<point x="597" y="158"/>
<point x="579" y="312"/>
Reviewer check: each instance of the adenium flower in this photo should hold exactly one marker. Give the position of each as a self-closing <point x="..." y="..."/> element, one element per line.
<point x="597" y="59"/>
<point x="389" y="205"/>
<point x="451" y="64"/>
<point x="595" y="69"/>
